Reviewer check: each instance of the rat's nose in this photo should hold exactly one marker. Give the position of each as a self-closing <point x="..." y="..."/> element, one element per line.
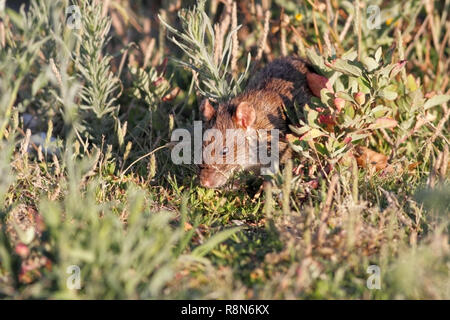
<point x="204" y="179"/>
<point x="210" y="178"/>
<point x="205" y="183"/>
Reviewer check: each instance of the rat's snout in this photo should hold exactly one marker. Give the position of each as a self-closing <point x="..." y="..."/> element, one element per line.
<point x="211" y="178"/>
<point x="205" y="180"/>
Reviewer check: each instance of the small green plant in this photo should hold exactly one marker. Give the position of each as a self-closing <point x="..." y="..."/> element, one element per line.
<point x="358" y="99"/>
<point x="99" y="109"/>
<point x="207" y="55"/>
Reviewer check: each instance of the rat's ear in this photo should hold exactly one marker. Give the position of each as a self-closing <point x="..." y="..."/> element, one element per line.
<point x="207" y="110"/>
<point x="317" y="82"/>
<point x="245" y="115"/>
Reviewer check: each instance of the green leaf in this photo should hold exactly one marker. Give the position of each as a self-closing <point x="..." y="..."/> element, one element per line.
<point x="378" y="54"/>
<point x="321" y="148"/>
<point x="345" y="96"/>
<point x="312" y="134"/>
<point x="411" y="83"/>
<point x="39" y="83"/>
<point x="385" y="71"/>
<point x="364" y="86"/>
<point x="339" y="151"/>
<point x="212" y="242"/>
<point x="358" y="136"/>
<point x="351" y="55"/>
<point x="384" y="123"/>
<point x="436" y="100"/>
<point x="388" y="95"/>
<point x="353" y="84"/>
<point x="299" y="130"/>
<point x="417" y="99"/>
<point x="369" y="63"/>
<point x="300" y="147"/>
<point x="397" y="68"/>
<point x="26" y="236"/>
<point x="312" y="117"/>
<point x="349" y="111"/>
<point x="326" y="97"/>
<point x="346" y="68"/>
<point x="16" y="18"/>
<point x="380" y="111"/>
<point x="297" y="148"/>
<point x="316" y="60"/>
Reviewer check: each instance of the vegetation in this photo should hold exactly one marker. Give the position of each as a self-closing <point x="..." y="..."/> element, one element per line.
<point x="88" y="102"/>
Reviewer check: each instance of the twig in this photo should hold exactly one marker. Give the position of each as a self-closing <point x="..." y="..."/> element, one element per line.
<point x="218" y="44"/>
<point x="437" y="132"/>
<point x="347" y="25"/>
<point x="56" y="72"/>
<point x="142" y="157"/>
<point x="316" y="30"/>
<point x="220" y="29"/>
<point x="287" y="187"/>
<point x="328" y="45"/>
<point x="263" y="40"/>
<point x="283" y="25"/>
<point x="2" y="34"/>
<point x="149" y="51"/>
<point x="91" y="171"/>
<point x="105" y="7"/>
<point x="416" y="37"/>
<point x="358" y="27"/>
<point x="444" y="164"/>
<point x="235" y="45"/>
<point x="387" y="138"/>
<point x="440" y="125"/>
<point x="401" y="51"/>
<point x="25" y="143"/>
<point x="326" y="209"/>
<point x="429" y="6"/>
<point x="441" y="53"/>
<point x="420" y="122"/>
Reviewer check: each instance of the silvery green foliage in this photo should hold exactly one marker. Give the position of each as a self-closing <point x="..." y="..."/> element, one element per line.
<point x="197" y="41"/>
<point x="149" y="85"/>
<point x="383" y="105"/>
<point x="99" y="107"/>
<point x="18" y="56"/>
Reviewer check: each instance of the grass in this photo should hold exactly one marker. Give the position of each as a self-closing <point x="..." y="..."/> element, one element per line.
<point x="86" y="117"/>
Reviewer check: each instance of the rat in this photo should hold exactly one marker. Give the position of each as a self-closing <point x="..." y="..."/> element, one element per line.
<point x="260" y="107"/>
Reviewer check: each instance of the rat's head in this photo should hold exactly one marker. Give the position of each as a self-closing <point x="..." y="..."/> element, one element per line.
<point x="225" y="141"/>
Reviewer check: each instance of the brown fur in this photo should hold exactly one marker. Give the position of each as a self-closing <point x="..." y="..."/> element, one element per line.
<point x="278" y="85"/>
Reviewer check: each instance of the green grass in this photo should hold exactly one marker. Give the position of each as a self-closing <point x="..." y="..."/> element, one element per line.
<point x="104" y="195"/>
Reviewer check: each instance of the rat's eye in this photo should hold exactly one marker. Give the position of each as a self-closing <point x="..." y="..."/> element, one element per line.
<point x="224" y="151"/>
